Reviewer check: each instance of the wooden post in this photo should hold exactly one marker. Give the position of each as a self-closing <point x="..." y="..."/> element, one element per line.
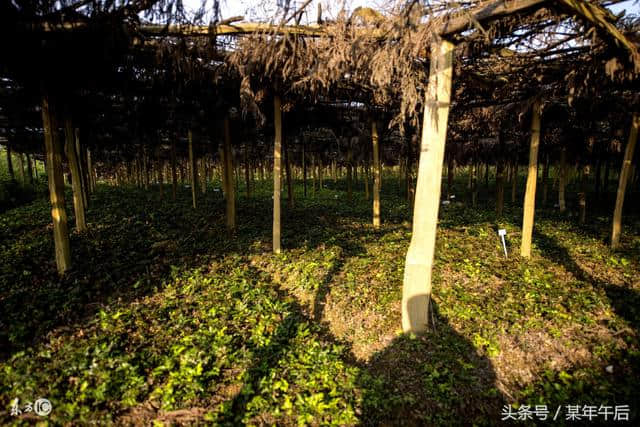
<point x="193" y="170"/>
<point x="29" y="169"/>
<point x="174" y="173"/>
<point x="287" y="167"/>
<point x="304" y="165"/>
<point x="12" y="174"/>
<point x="277" y="177"/>
<point x="562" y="179"/>
<point x="514" y="183"/>
<point x="376" y="174"/>
<point x="622" y="183"/>
<point x="416" y="290"/>
<point x="545" y="180"/>
<point x="349" y="173"/>
<point x="56" y="187"/>
<point x="230" y="195"/>
<point x="247" y="179"/>
<point x="499" y="186"/>
<point x="76" y="177"/>
<point x="532" y="178"/>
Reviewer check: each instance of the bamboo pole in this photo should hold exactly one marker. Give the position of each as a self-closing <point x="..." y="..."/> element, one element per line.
<point x="193" y="170"/>
<point x="56" y="188"/>
<point x="532" y="178"/>
<point x="277" y="178"/>
<point x="622" y="184"/>
<point x="416" y="290"/>
<point x="230" y="196"/>
<point x="76" y="178"/>
<point x="376" y="174"/>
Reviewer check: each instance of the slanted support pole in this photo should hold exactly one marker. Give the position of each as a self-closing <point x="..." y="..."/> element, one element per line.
<point x="532" y="178"/>
<point x="193" y="171"/>
<point x="230" y="196"/>
<point x="277" y="173"/>
<point x="376" y="174"/>
<point x="76" y="177"/>
<point x="416" y="289"/>
<point x="622" y="183"/>
<point x="56" y="188"/>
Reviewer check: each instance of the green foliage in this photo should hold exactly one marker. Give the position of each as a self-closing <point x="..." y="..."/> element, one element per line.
<point x="164" y="312"/>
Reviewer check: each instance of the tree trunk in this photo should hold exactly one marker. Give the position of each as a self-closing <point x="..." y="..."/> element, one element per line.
<point x="277" y="177"/>
<point x="532" y="178"/>
<point x="230" y="195"/>
<point x="23" y="177"/>
<point x="376" y="174"/>
<point x="416" y="290"/>
<point x="56" y="187"/>
<point x="76" y="178"/>
<point x="582" y="196"/>
<point x="475" y="171"/>
<point x="622" y="184"/>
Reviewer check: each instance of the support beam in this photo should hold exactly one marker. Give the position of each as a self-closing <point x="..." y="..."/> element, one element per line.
<point x="376" y="174"/>
<point x="416" y="290"/>
<point x="56" y="187"/>
<point x="532" y="179"/>
<point x="622" y="183"/>
<point x="277" y="173"/>
<point x="12" y="174"/>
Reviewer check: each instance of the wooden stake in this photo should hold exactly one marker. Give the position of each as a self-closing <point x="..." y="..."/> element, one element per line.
<point x="416" y="290"/>
<point x="622" y="183"/>
<point x="277" y="178"/>
<point x="376" y="174"/>
<point x="532" y="178"/>
<point x="56" y="187"/>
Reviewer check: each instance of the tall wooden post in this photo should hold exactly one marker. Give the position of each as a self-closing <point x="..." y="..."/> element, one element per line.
<point x="12" y="174"/>
<point x="532" y="178"/>
<point x="174" y="173"/>
<point x="277" y="173"/>
<point x="349" y="173"/>
<point x="562" y="179"/>
<point x="76" y="177"/>
<point x="29" y="169"/>
<point x="416" y="289"/>
<point x="193" y="170"/>
<point x="304" y="165"/>
<point x="56" y="187"/>
<point x="376" y="174"/>
<point x="287" y="168"/>
<point x="622" y="183"/>
<point x="230" y="195"/>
